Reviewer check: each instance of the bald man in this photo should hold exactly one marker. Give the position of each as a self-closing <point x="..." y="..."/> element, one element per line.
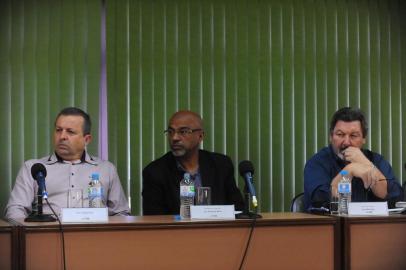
<point x="161" y="178"/>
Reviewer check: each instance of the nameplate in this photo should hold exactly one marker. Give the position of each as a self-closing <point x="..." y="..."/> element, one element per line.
<point x="212" y="212"/>
<point x="84" y="215"/>
<point x="368" y="209"/>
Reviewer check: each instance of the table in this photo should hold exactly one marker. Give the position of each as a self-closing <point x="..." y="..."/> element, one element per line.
<point x="374" y="242"/>
<point x="280" y="241"/>
<point x="8" y="245"/>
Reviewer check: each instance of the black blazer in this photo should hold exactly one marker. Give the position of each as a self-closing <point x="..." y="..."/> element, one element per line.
<point x="161" y="178"/>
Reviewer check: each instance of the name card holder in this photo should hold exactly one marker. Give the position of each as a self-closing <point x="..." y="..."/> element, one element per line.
<point x="212" y="212"/>
<point x="85" y="215"/>
<point x="368" y="209"/>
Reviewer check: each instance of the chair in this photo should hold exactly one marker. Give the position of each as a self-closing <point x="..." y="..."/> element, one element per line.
<point x="404" y="191"/>
<point x="297" y="204"/>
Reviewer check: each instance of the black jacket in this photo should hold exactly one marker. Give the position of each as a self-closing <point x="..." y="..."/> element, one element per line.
<point x="161" y="178"/>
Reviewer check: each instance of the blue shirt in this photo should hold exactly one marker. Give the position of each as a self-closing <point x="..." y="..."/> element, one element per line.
<point x="321" y="169"/>
<point x="196" y="177"/>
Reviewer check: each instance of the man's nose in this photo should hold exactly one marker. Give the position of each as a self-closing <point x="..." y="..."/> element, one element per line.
<point x="63" y="135"/>
<point x="175" y="136"/>
<point x="347" y="141"/>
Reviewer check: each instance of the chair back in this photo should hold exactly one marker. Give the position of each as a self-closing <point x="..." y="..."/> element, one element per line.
<point x="404" y="191"/>
<point x="297" y="204"/>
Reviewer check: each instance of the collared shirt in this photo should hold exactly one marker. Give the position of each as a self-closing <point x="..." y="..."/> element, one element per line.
<point x="321" y="169"/>
<point x="61" y="177"/>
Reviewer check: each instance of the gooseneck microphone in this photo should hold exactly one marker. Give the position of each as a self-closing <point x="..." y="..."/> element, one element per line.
<point x="246" y="170"/>
<point x="39" y="172"/>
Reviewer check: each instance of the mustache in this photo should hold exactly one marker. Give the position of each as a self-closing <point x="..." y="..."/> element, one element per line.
<point x="62" y="143"/>
<point x="177" y="144"/>
<point x="343" y="149"/>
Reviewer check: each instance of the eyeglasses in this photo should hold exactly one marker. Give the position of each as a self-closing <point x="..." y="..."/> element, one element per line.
<point x="181" y="132"/>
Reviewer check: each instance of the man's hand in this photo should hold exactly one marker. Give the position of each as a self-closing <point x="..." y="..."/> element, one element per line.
<point x="362" y="171"/>
<point x="355" y="155"/>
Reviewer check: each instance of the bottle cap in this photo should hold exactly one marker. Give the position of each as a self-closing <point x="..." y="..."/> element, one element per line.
<point x="344" y="172"/>
<point x="186" y="176"/>
<point x="95" y="176"/>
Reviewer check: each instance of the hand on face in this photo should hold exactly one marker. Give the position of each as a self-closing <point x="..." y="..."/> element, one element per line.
<point x="354" y="155"/>
<point x="346" y="135"/>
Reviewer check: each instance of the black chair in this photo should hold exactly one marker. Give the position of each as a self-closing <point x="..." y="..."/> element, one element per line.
<point x="297" y="204"/>
<point x="404" y="191"/>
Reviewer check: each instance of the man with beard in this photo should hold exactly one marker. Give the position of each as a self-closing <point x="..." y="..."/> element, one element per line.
<point x="161" y="178"/>
<point x="372" y="176"/>
<point x="69" y="167"/>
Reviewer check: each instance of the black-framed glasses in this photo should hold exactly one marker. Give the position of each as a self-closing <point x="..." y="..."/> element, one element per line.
<point x="181" y="132"/>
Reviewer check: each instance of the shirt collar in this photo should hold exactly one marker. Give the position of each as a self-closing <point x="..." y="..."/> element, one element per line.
<point x="180" y="168"/>
<point x="86" y="158"/>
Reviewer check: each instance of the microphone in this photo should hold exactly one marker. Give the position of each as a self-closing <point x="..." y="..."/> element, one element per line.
<point x="39" y="172"/>
<point x="246" y="170"/>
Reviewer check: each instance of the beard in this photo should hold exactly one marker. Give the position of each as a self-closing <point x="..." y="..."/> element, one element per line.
<point x="340" y="153"/>
<point x="178" y="152"/>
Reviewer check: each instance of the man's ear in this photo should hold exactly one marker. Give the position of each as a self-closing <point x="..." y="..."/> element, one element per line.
<point x="201" y="136"/>
<point x="88" y="139"/>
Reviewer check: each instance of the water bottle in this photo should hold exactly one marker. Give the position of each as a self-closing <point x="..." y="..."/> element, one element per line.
<point x="344" y="193"/>
<point x="95" y="192"/>
<point x="187" y="195"/>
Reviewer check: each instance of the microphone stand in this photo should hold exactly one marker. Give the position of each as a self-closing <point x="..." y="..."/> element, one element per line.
<point x="39" y="216"/>
<point x="246" y="214"/>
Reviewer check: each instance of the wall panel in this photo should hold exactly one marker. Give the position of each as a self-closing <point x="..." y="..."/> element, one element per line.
<point x="49" y="59"/>
<point x="265" y="75"/>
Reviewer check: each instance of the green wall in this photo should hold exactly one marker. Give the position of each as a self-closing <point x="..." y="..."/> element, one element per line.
<point x="49" y="59"/>
<point x="265" y="75"/>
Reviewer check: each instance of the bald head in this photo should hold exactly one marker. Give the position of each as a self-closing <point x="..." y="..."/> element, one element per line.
<point x="190" y="117"/>
<point x="185" y="132"/>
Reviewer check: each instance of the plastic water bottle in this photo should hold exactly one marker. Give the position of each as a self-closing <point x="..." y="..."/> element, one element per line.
<point x="95" y="192"/>
<point x="344" y="193"/>
<point x="187" y="195"/>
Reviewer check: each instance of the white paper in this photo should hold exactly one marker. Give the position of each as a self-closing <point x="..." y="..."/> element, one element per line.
<point x="368" y="209"/>
<point x="212" y="212"/>
<point x="84" y="215"/>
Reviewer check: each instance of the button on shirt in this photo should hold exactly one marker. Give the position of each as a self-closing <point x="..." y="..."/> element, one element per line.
<point x="62" y="176"/>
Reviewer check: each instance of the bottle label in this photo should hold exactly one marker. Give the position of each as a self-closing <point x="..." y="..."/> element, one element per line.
<point x="187" y="191"/>
<point x="95" y="196"/>
<point x="344" y="188"/>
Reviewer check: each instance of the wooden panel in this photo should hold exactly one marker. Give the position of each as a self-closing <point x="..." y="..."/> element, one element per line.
<point x="281" y="241"/>
<point x="378" y="246"/>
<point x="6" y="246"/>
